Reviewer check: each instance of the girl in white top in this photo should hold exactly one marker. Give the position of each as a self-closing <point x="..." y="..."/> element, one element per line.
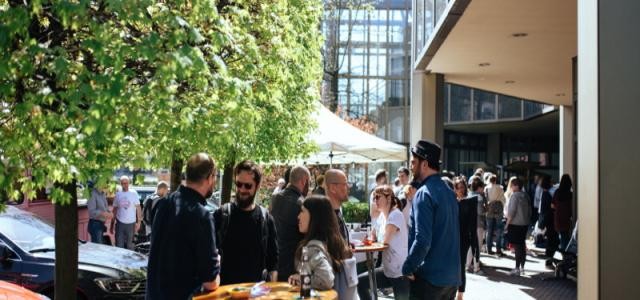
<point x="392" y="231"/>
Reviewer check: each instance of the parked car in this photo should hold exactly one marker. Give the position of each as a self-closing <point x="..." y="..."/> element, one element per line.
<point x="27" y="258"/>
<point x="144" y="192"/>
<point x="12" y="291"/>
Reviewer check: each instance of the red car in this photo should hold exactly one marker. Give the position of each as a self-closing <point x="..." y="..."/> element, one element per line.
<point x="16" y="292"/>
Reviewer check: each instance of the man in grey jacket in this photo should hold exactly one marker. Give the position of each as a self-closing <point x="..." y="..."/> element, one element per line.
<point x="285" y="207"/>
<point x="98" y="214"/>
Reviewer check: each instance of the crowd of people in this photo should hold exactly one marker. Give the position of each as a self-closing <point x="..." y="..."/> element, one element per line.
<point x="435" y="227"/>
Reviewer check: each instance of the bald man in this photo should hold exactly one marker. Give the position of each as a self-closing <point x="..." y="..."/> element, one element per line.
<point x="337" y="190"/>
<point x="285" y="208"/>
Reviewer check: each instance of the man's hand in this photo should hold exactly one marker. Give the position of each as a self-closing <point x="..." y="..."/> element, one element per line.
<point x="107" y="215"/>
<point x="136" y="227"/>
<point x="294" y="279"/>
<point x="212" y="285"/>
<point x="274" y="276"/>
<point x="410" y="277"/>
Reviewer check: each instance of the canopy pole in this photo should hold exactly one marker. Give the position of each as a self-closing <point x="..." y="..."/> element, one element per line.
<point x="331" y="159"/>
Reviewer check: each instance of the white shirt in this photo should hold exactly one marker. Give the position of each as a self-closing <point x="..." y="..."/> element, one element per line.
<point x="394" y="256"/>
<point x="126" y="203"/>
<point x="495" y="192"/>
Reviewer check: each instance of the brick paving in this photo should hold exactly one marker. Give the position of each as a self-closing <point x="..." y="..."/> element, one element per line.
<point x="496" y="283"/>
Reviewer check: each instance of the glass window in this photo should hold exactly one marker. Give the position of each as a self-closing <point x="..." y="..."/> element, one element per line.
<point x="446" y="103"/>
<point x="396" y="122"/>
<point x="396" y="92"/>
<point x="428" y="19"/>
<point x="377" y="91"/>
<point x="359" y="33"/>
<point x="440" y="6"/>
<point x="419" y="25"/>
<point x="358" y="61"/>
<point x="509" y="107"/>
<point x="27" y="231"/>
<point x="397" y="64"/>
<point x="484" y="105"/>
<point x="532" y="109"/>
<point x="460" y="103"/>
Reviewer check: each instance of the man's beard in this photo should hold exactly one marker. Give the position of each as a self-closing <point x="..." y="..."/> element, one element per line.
<point x="245" y="202"/>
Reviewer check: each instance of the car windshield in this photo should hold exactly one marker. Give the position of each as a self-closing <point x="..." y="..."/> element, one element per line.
<point x="27" y="231"/>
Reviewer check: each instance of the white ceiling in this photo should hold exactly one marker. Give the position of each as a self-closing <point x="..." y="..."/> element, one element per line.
<point x="539" y="64"/>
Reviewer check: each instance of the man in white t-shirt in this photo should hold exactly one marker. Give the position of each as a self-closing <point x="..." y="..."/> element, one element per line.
<point x="128" y="215"/>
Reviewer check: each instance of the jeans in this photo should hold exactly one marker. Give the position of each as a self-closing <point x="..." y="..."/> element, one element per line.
<point x="494" y="226"/>
<point x="124" y="235"/>
<point x="96" y="230"/>
<point x="400" y="285"/>
<point x="423" y="290"/>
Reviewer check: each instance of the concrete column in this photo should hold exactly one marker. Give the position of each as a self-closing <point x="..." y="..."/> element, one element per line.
<point x="567" y="151"/>
<point x="427" y="107"/>
<point x="588" y="179"/>
<point x="608" y="148"/>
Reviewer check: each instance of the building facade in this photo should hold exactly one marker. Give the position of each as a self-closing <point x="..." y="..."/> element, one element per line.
<point x="580" y="56"/>
<point x="367" y="63"/>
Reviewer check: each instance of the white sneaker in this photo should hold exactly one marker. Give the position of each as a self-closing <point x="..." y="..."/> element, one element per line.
<point x="515" y="272"/>
<point x="522" y="272"/>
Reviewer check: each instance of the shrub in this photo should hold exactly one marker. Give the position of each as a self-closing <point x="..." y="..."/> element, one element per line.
<point x="355" y="212"/>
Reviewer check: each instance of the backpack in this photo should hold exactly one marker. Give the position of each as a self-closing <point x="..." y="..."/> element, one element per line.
<point x="148" y="208"/>
<point x="225" y="219"/>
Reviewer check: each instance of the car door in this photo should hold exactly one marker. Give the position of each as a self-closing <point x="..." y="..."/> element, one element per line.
<point x="10" y="264"/>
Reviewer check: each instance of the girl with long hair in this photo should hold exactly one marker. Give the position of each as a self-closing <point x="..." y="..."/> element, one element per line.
<point x="392" y="231"/>
<point x="326" y="249"/>
<point x="563" y="208"/>
<point x="467" y="212"/>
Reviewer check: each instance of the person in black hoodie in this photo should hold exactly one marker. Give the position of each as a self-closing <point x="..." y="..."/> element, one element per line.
<point x="285" y="207"/>
<point x="546" y="218"/>
<point x="468" y="216"/>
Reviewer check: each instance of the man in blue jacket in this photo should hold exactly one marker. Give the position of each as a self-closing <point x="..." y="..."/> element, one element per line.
<point x="433" y="263"/>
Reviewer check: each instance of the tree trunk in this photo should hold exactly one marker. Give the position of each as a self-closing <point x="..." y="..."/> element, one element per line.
<point x="66" y="239"/>
<point x="176" y="170"/>
<point x="227" y="182"/>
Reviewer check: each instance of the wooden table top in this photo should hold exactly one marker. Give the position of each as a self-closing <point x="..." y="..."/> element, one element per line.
<point x="375" y="247"/>
<point x="279" y="291"/>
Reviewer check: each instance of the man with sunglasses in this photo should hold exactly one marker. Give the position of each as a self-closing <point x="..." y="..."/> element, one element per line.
<point x="246" y="232"/>
<point x="433" y="263"/>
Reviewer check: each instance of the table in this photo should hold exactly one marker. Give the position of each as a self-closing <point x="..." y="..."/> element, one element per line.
<point x="369" y="251"/>
<point x="279" y="290"/>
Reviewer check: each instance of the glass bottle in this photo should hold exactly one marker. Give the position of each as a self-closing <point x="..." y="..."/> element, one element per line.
<point x="305" y="275"/>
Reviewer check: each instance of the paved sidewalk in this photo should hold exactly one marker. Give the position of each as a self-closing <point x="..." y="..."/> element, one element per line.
<point x="496" y="283"/>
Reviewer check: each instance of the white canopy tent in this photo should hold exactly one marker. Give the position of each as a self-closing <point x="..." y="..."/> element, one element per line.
<point x="342" y="143"/>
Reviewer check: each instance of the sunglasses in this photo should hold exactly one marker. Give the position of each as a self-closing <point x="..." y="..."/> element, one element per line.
<point x="379" y="195"/>
<point x="246" y="186"/>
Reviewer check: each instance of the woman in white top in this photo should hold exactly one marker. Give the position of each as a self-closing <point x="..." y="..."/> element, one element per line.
<point x="392" y="231"/>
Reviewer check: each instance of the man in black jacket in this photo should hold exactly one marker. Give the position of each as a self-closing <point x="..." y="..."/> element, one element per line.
<point x="285" y="207"/>
<point x="246" y="232"/>
<point x="183" y="258"/>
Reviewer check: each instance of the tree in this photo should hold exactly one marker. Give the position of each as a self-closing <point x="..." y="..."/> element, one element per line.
<point x="338" y="16"/>
<point x="88" y="86"/>
<point x="265" y="86"/>
<point x="77" y="80"/>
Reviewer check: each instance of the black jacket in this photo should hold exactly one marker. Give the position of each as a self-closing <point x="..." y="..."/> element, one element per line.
<point x="285" y="207"/>
<point x="183" y="248"/>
